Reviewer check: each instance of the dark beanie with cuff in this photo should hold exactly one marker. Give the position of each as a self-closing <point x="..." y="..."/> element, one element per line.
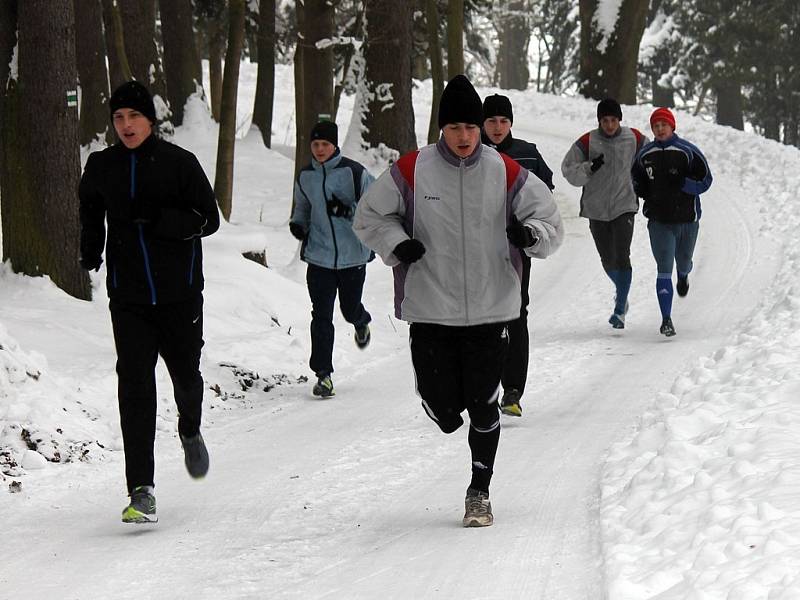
<point x="325" y="130"/>
<point x="609" y="108"/>
<point x="135" y="96"/>
<point x="497" y="106"/>
<point x="460" y="103"/>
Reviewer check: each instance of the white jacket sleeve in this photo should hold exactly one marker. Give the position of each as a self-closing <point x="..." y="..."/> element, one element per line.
<point x="575" y="168"/>
<point x="378" y="221"/>
<point x="535" y="207"/>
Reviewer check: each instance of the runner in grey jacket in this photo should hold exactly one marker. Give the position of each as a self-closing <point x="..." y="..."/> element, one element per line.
<point x="600" y="161"/>
<point x="449" y="218"/>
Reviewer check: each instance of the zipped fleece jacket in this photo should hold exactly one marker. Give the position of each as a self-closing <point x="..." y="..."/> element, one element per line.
<point x="607" y="193"/>
<point x="330" y="241"/>
<point x="670" y="176"/>
<point x="459" y="209"/>
<point x="153" y="263"/>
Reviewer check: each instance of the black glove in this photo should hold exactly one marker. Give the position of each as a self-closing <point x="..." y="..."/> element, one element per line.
<point x="144" y="211"/>
<point x="90" y="264"/>
<point x="597" y="162"/>
<point x="519" y="235"/>
<point x="337" y="208"/>
<point x="409" y="251"/>
<point x="297" y="231"/>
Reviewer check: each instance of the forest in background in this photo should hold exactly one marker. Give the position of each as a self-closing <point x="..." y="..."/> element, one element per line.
<point x="733" y="62"/>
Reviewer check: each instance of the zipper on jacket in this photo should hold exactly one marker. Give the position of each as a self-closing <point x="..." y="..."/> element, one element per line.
<point x="145" y="256"/>
<point x="330" y="220"/>
<point x="191" y="264"/>
<point x="461" y="168"/>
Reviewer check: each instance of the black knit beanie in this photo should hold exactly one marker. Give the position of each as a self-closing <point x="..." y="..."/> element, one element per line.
<point x="497" y="106"/>
<point x="460" y="103"/>
<point x="134" y="95"/>
<point x="325" y="130"/>
<point x="609" y="108"/>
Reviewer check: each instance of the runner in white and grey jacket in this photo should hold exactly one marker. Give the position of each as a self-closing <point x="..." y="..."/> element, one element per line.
<point x="445" y="217"/>
<point x="600" y="161"/>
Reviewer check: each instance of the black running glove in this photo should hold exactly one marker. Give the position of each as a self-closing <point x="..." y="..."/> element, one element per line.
<point x="409" y="251"/>
<point x="519" y="235"/>
<point x="91" y="264"/>
<point x="297" y="231"/>
<point x="597" y="162"/>
<point x="337" y="208"/>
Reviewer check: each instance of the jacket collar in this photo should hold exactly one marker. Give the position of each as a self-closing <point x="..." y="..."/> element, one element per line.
<point x="668" y="142"/>
<point x="328" y="164"/>
<point x="146" y="148"/>
<point x="455" y="160"/>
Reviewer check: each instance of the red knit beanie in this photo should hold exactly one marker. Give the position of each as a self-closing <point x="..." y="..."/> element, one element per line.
<point x="663" y="114"/>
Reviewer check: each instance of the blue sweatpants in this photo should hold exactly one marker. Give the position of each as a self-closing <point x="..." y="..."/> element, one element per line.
<point x="671" y="243"/>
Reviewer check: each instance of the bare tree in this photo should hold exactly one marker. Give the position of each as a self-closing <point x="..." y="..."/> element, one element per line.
<point x="389" y="118"/>
<point x="139" y="24"/>
<point x="39" y="208"/>
<point x="317" y="73"/>
<point x="437" y="70"/>
<point x="223" y="183"/>
<point x="265" y="82"/>
<point x="514" y="33"/>
<point x="455" y="38"/>
<point x="212" y="17"/>
<point x="609" y="58"/>
<point x="181" y="62"/>
<point x="119" y="70"/>
<point x="92" y="72"/>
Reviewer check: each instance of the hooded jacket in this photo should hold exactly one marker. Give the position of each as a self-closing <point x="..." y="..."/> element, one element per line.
<point x="160" y="261"/>
<point x="459" y="209"/>
<point x="330" y="241"/>
<point x="607" y="193"/>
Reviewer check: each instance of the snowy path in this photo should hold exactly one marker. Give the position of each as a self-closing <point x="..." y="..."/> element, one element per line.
<point x="361" y="497"/>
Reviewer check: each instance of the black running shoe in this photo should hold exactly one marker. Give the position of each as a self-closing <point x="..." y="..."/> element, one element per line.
<point x="683" y="286"/>
<point x="667" y="328"/>
<point x="362" y="336"/>
<point x="195" y="455"/>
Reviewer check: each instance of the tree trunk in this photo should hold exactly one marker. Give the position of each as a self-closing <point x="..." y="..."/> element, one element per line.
<point x="90" y="51"/>
<point x="216" y="46"/>
<point x="301" y="130"/>
<point x="223" y="183"/>
<point x="729" y="103"/>
<point x="8" y="41"/>
<point x="265" y="83"/>
<point x="40" y="208"/>
<point x="609" y="65"/>
<point x="389" y="118"/>
<point x="139" y="25"/>
<point x="114" y="40"/>
<point x="181" y="63"/>
<point x="317" y="73"/>
<point x="455" y="38"/>
<point x="437" y="70"/>
<point x="512" y="56"/>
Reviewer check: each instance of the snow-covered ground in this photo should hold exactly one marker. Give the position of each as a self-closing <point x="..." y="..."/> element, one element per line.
<point x="643" y="467"/>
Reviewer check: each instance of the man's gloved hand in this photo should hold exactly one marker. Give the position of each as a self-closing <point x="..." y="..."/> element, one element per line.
<point x="90" y="264"/>
<point x="337" y="208"/>
<point x="519" y="235"/>
<point x="297" y="231"/>
<point x="144" y="211"/>
<point x="597" y="162"/>
<point x="409" y="251"/>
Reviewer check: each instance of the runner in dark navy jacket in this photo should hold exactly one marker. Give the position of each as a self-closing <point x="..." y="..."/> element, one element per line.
<point x="158" y="203"/>
<point x="498" y="117"/>
<point x="670" y="174"/>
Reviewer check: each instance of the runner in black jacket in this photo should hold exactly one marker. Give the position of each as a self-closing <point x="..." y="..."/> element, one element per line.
<point x="158" y="203"/>
<point x="498" y="118"/>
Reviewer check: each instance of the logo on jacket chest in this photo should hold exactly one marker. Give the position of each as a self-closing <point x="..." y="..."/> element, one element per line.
<point x="431" y="198"/>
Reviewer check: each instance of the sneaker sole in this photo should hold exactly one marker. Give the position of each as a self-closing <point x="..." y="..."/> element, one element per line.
<point x="476" y="522"/>
<point x="137" y="518"/>
<point x="513" y="411"/>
